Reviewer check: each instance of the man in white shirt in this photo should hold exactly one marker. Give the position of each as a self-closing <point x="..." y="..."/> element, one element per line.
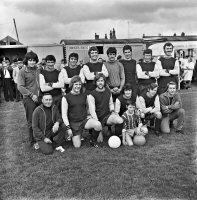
<point x="188" y="67"/>
<point x="7" y="80"/>
<point x="15" y="77"/>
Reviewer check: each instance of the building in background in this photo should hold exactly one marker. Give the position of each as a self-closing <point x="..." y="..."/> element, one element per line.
<point x="82" y="46"/>
<point x="8" y="40"/>
<point x="184" y="45"/>
<point x="11" y="48"/>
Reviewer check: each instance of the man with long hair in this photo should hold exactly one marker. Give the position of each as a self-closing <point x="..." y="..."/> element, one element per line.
<point x="28" y="85"/>
<point x="75" y="114"/>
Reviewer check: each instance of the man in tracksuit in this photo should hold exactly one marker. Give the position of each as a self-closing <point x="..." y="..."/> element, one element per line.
<point x="48" y="127"/>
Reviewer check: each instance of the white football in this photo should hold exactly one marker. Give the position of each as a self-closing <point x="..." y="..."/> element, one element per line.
<point x="114" y="142"/>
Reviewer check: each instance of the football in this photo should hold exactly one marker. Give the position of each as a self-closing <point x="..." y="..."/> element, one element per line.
<point x="139" y="140"/>
<point x="114" y="142"/>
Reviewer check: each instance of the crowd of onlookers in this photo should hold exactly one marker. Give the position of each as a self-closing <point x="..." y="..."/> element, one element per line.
<point x="119" y="92"/>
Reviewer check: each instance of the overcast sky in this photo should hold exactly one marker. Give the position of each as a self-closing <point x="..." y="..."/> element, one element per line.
<point x="49" y="21"/>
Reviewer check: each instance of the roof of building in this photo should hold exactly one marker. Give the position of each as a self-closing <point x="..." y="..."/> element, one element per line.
<point x="170" y="38"/>
<point x="29" y="45"/>
<point x="101" y="41"/>
<point x="9" y="39"/>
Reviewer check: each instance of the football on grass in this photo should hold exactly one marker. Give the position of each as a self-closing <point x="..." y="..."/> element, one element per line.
<point x="114" y="142"/>
<point x="139" y="140"/>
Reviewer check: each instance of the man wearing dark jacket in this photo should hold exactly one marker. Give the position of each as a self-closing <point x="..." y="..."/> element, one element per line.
<point x="171" y="107"/>
<point x="48" y="127"/>
<point x="7" y="79"/>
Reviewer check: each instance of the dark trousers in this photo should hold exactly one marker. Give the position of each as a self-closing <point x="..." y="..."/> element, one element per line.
<point x="134" y="90"/>
<point x="30" y="106"/>
<point x="115" y="96"/>
<point x="0" y="92"/>
<point x="118" y="129"/>
<point x="57" y="139"/>
<point x="154" y="121"/>
<point x="8" y="89"/>
<point x="158" y="124"/>
<point x="57" y="100"/>
<point x="18" y="94"/>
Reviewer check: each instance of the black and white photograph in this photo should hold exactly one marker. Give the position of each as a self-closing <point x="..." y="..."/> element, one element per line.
<point x="98" y="100"/>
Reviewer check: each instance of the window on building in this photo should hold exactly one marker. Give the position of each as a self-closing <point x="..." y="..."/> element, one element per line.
<point x="12" y="43"/>
<point x="2" y="43"/>
<point x="100" y="49"/>
<point x="190" y="52"/>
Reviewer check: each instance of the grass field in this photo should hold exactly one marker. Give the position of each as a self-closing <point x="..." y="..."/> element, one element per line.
<point x="165" y="168"/>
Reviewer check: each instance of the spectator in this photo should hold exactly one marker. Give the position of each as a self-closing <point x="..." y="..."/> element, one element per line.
<point x="62" y="65"/>
<point x="119" y="57"/>
<point x="1" y="77"/>
<point x="188" y="67"/>
<point x="100" y="60"/>
<point x="7" y="79"/>
<point x="42" y="64"/>
<point x="81" y="63"/>
<point x="15" y="77"/>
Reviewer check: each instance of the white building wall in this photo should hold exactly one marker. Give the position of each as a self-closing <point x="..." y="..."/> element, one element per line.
<point x="82" y="50"/>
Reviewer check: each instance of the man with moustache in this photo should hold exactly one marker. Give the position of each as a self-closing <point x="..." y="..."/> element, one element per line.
<point x="168" y="68"/>
<point x="92" y="68"/>
<point x="101" y="104"/>
<point x="171" y="107"/>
